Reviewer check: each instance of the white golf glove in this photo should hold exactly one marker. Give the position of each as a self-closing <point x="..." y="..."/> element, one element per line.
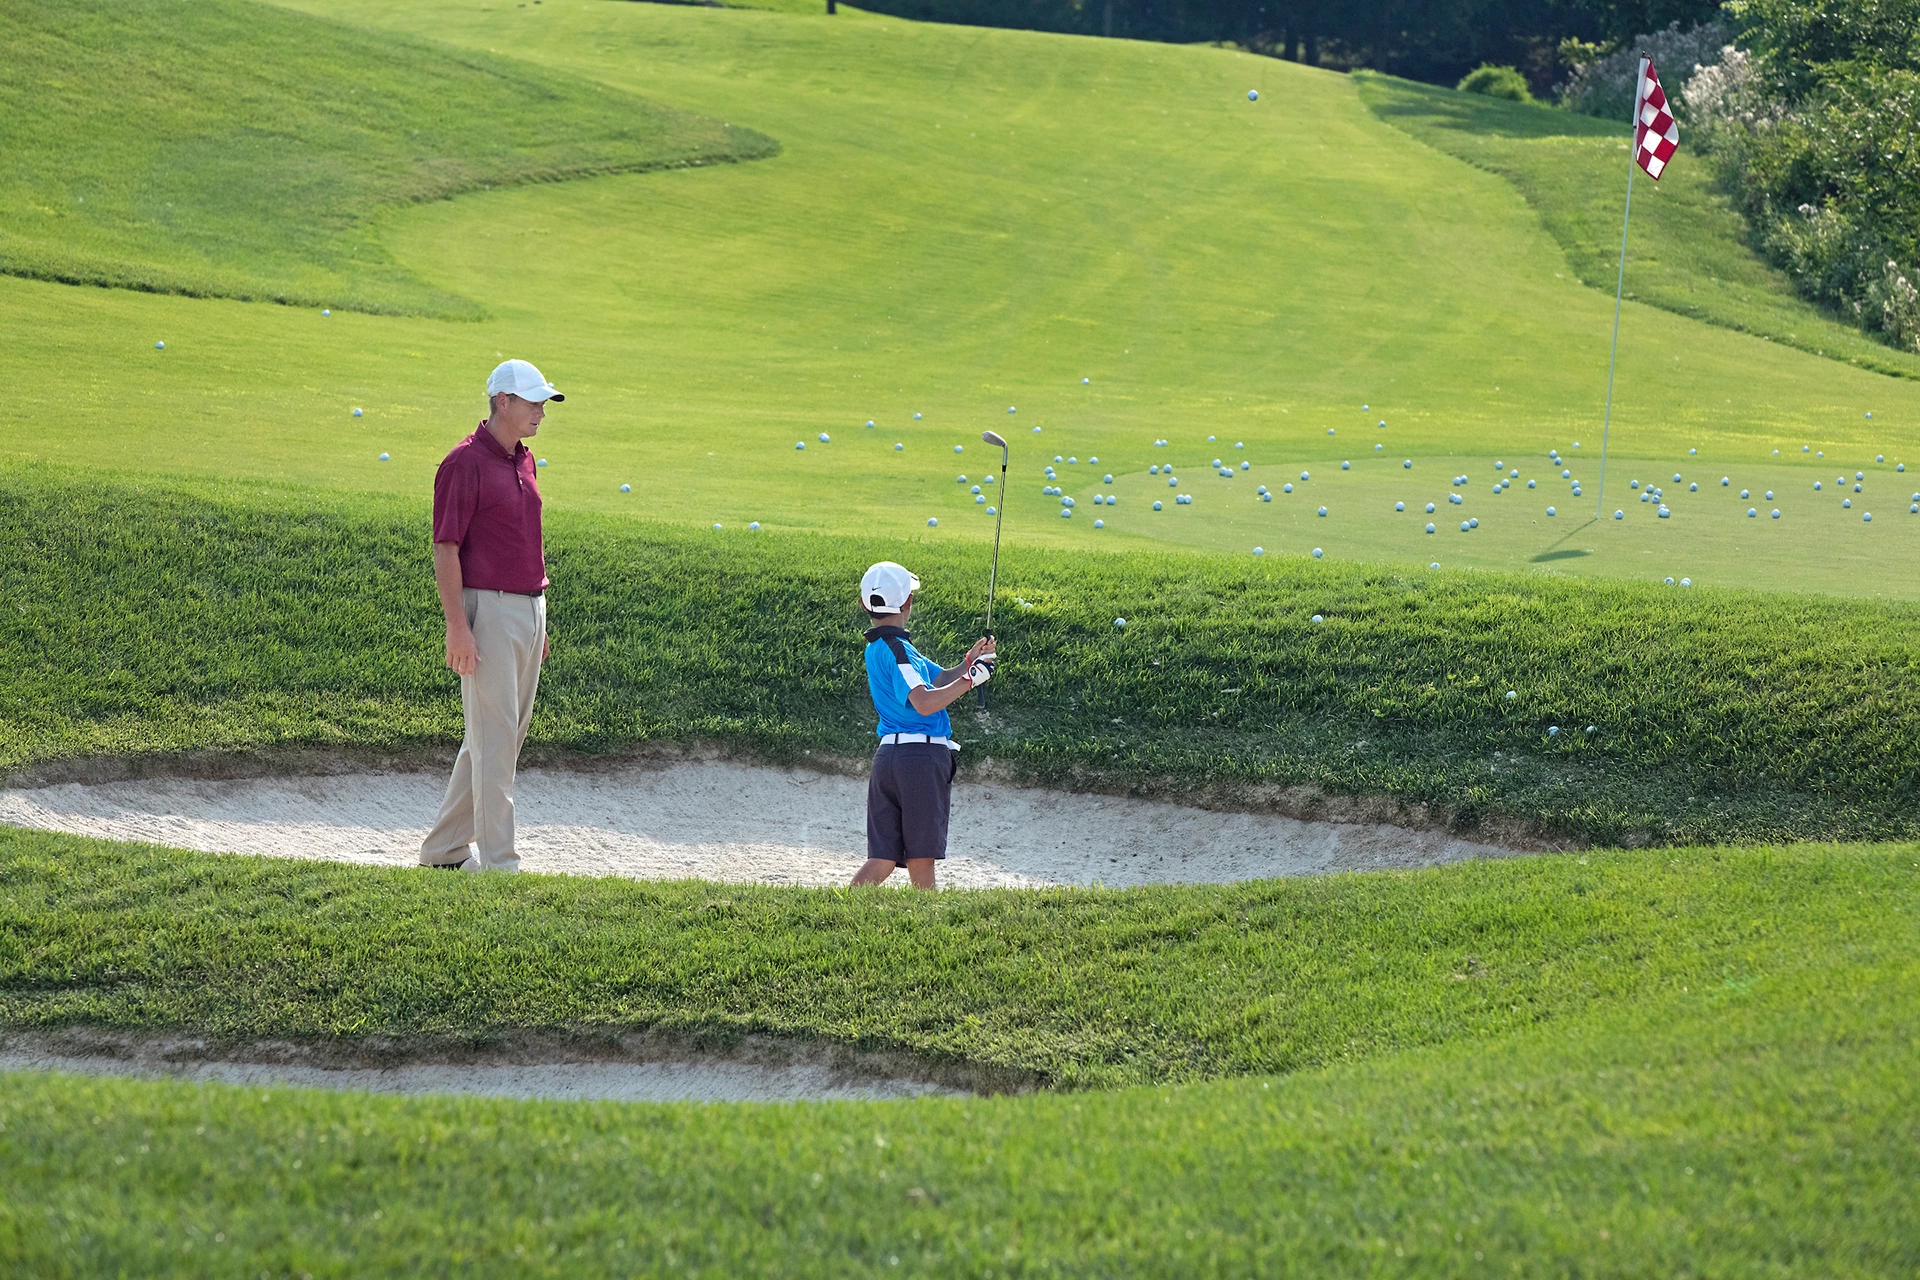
<point x="980" y="672"/>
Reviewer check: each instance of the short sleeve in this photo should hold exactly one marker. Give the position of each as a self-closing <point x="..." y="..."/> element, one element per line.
<point x="456" y="494"/>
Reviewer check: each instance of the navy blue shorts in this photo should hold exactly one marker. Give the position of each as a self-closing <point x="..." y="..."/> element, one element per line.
<point x="909" y="797"/>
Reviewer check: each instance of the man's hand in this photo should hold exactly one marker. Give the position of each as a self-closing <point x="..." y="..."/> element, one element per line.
<point x="463" y="655"/>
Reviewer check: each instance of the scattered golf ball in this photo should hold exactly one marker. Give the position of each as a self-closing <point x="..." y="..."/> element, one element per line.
<point x="1322" y="511"/>
<point x="1109" y="479"/>
<point x="1474" y="523"/>
<point x="159" y="346"/>
<point x="716" y="526"/>
<point x="1776" y="513"/>
<point x="959" y="448"/>
<point x="1429" y="508"/>
<point x="625" y="488"/>
<point x="992" y="512"/>
<point x="1551" y="511"/>
<point x="1346" y="466"/>
<point x="933" y="522"/>
<point x="1286" y="488"/>
<point x="1434" y="565"/>
<point x="1429" y="528"/>
<point x="1085" y="381"/>
<point x="326" y="311"/>
<point x="1172" y="481"/>
<point x="975" y="488"/>
<point x="1099" y="524"/>
<point x="1317" y="617"/>
<point x="916" y="418"/>
<point x="384" y="458"/>
<point x="1515" y="693"/>
<point x="823" y="438"/>
<point x="897" y="447"/>
<point x="1305" y="476"/>
<point x="1752" y="513"/>
<point x="1531" y="484"/>
<point x="754" y="527"/>
<point x="800" y="444"/>
<point x="1399" y="506"/>
<point x="1036" y="430"/>
<point x="1246" y="466"/>
<point x="1121" y="623"/>
<point x="1266" y="497"/>
<point x="1691" y="452"/>
<point x="1066" y="513"/>
<point x="1316" y="553"/>
<point x="1686" y="582"/>
<point x="979" y="497"/>
<point x="1867" y="518"/>
<point x="1329" y="430"/>
<point x="1408" y="464"/>
<point x="1769" y="495"/>
<point x="1464" y="526"/>
<point x="1253" y="95"/>
<point x="1669" y="581"/>
<point x="1010" y="410"/>
<point x="1816" y="486"/>
<point x="1694" y="487"/>
<point x="1156" y="506"/>
<point x="541" y="463"/>
<point x="1259" y="551"/>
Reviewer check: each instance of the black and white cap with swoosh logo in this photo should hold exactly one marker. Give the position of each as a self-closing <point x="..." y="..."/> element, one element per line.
<point x="885" y="587"/>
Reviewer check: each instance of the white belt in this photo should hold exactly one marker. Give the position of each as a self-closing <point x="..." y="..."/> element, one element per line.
<point x="908" y="739"/>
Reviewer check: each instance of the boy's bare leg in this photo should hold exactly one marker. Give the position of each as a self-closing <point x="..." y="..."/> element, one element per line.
<point x="876" y="870"/>
<point x="920" y="871"/>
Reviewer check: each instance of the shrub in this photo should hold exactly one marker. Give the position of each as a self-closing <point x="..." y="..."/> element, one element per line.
<point x="1602" y="85"/>
<point x="1496" y="82"/>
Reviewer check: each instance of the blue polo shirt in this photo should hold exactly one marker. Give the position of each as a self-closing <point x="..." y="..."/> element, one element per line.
<point x="894" y="667"/>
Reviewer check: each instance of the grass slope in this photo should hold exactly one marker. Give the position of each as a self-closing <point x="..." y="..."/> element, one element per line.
<point x="1689" y="253"/>
<point x="146" y="620"/>
<point x="1719" y="1084"/>
<point x="963" y="220"/>
<point x="232" y="149"/>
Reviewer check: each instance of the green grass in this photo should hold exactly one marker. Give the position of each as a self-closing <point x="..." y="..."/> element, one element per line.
<point x="1688" y="250"/>
<point x="962" y="220"/>
<point x="1639" y="1062"/>
<point x="146" y="620"/>
<point x="229" y="149"/>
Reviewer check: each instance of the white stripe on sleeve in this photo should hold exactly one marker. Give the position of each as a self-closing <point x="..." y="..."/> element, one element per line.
<point x="913" y="678"/>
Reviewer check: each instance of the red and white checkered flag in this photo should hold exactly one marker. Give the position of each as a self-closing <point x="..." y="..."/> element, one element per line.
<point x="1655" y="136"/>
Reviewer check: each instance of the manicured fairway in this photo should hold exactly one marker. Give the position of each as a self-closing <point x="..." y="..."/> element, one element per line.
<point x="1655" y="1061"/>
<point x="966" y="220"/>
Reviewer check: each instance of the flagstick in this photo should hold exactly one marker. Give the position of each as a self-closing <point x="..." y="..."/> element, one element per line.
<point x="1619" y="285"/>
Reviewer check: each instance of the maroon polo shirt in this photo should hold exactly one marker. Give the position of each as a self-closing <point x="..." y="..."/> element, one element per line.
<point x="487" y="500"/>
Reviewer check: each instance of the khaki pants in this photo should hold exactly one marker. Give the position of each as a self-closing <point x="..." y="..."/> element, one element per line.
<point x="509" y="631"/>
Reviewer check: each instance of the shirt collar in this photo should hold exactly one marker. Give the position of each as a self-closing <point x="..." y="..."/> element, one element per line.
<point x="491" y="445"/>
<point x="885" y="633"/>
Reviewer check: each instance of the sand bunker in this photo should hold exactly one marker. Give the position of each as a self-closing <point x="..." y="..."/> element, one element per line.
<point x="717" y="820"/>
<point x="510" y="1075"/>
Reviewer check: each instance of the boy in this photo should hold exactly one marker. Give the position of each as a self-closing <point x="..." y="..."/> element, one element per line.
<point x="912" y="783"/>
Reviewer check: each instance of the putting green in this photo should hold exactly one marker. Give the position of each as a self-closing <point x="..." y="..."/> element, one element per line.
<point x="964" y="220"/>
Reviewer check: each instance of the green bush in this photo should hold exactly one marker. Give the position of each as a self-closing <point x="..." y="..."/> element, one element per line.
<point x="1496" y="82"/>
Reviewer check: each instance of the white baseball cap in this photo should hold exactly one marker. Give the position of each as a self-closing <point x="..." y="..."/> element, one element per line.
<point x="886" y="586"/>
<point x="517" y="377"/>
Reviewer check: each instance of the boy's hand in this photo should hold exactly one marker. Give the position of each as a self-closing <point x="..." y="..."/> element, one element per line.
<point x="981" y="648"/>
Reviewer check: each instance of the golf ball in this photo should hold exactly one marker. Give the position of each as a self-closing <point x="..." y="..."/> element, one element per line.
<point x="1776" y="513"/>
<point x="1112" y="501"/>
<point x="1694" y="487"/>
<point x="897" y="446"/>
<point x="1346" y="466"/>
<point x="933" y="522"/>
<point x="1286" y="488"/>
<point x="1769" y="495"/>
<point x="384" y="458"/>
<point x="1316" y="553"/>
<point x="326" y="311"/>
<point x="1669" y="581"/>
<point x="1551" y="511"/>
<point x="1010" y="410"/>
<point x="1305" y="476"/>
<point x="975" y="488"/>
<point x="916" y="418"/>
<point x="1036" y="431"/>
<point x="1531" y="484"/>
<point x="1120" y="622"/>
<point x="716" y="526"/>
<point x="1751" y="513"/>
<point x="823" y="437"/>
<point x="1322" y="511"/>
<point x="1085" y="381"/>
<point x="1266" y="497"/>
<point x="1691" y="452"/>
<point x="754" y="527"/>
<point x="1253" y="95"/>
<point x="1663" y="512"/>
<point x="625" y="488"/>
<point x="959" y="448"/>
<point x="1408" y="464"/>
<point x="356" y="413"/>
<point x="1329" y="430"/>
<point x="1474" y="523"/>
<point x="1464" y="526"/>
<point x="1867" y="518"/>
<point x="1399" y="506"/>
<point x="1429" y="508"/>
<point x="1564" y="475"/>
<point x="1434" y="565"/>
<point x="1816" y="486"/>
<point x="1515" y="693"/>
<point x="1429" y="528"/>
<point x="541" y="463"/>
<point x="799" y="444"/>
<point x="979" y="497"/>
<point x="1246" y="466"/>
<point x="1156" y="507"/>
<point x="1743" y="493"/>
<point x="1317" y="617"/>
<point x="1066" y="513"/>
<point x="1172" y="481"/>
<point x="1099" y="524"/>
<point x="870" y="420"/>
<point x="1259" y="551"/>
<point x="992" y="512"/>
<point x="1109" y="480"/>
<point x="1066" y="502"/>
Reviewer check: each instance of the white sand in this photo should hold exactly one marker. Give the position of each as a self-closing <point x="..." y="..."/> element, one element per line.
<point x="723" y="821"/>
<point x="569" y="1081"/>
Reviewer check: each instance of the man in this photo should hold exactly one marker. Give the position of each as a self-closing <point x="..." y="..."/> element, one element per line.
<point x="492" y="573"/>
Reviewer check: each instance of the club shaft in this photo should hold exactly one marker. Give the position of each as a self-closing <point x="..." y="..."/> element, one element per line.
<point x="993" y="574"/>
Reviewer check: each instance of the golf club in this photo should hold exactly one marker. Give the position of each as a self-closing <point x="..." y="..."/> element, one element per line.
<point x="993" y="577"/>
